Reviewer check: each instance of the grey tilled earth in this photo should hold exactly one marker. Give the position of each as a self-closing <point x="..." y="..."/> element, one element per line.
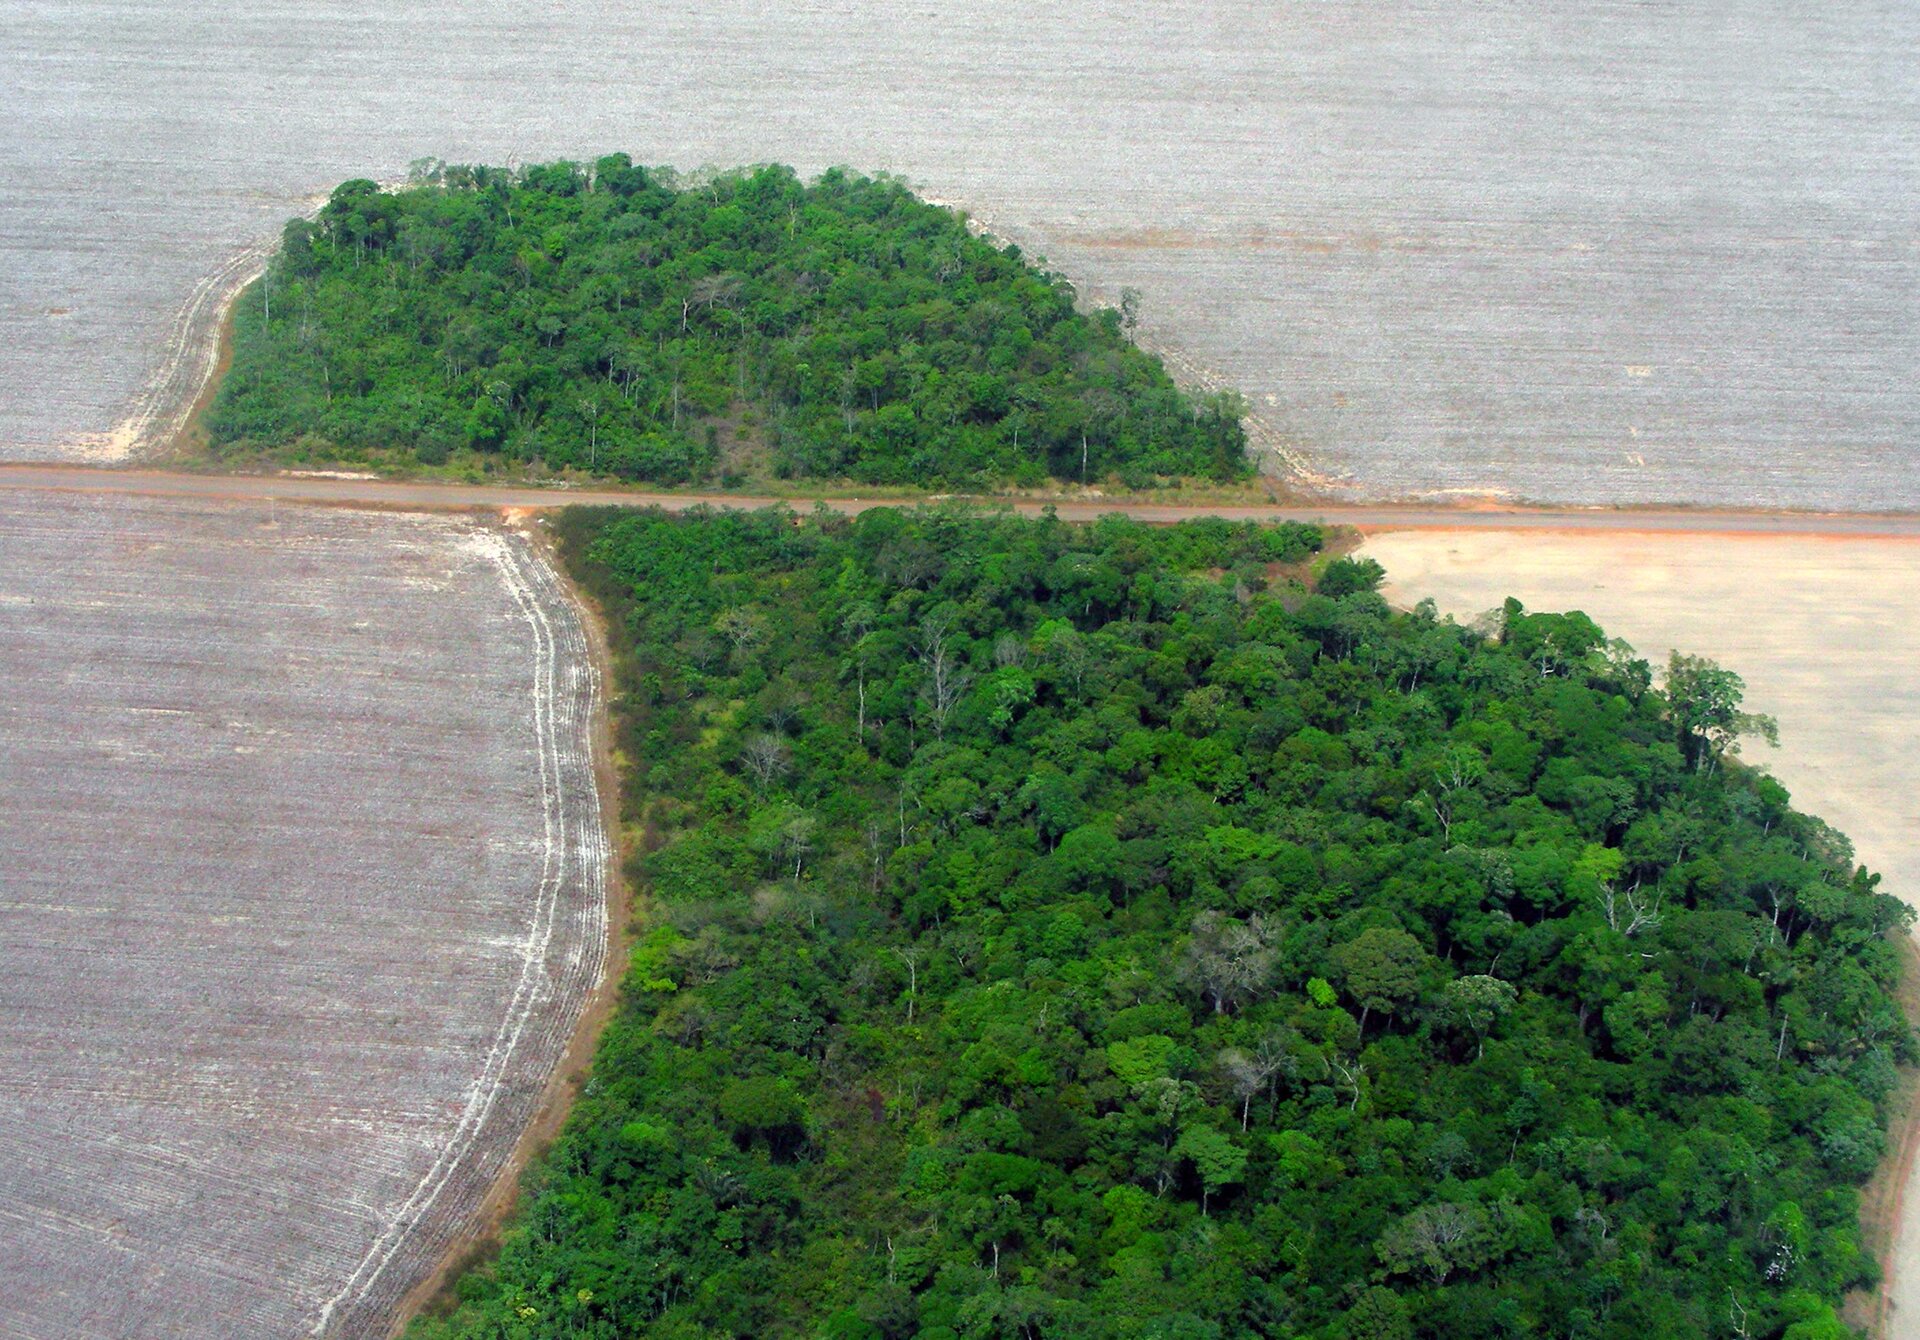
<point x="301" y="890"/>
<point x="1600" y="252"/>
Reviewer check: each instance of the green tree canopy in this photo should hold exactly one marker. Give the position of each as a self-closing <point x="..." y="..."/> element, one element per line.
<point x="1151" y="998"/>
<point x="619" y="320"/>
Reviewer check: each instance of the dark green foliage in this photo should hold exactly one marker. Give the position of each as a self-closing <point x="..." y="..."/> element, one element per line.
<point x="1046" y="931"/>
<point x="613" y="321"/>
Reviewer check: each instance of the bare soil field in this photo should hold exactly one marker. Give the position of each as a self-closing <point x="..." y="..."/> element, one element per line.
<point x="1826" y="632"/>
<point x="302" y="890"/>
<point x="1609" y="252"/>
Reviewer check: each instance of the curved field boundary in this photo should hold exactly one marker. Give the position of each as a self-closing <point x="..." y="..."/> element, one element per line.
<point x="187" y="361"/>
<point x="560" y="964"/>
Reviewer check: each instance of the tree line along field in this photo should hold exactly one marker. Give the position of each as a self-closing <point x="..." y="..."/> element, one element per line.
<point x="1118" y="931"/>
<point x="303" y="892"/>
<point x="613" y="320"/>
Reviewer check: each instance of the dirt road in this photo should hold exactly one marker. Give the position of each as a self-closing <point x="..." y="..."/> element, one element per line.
<point x="416" y="495"/>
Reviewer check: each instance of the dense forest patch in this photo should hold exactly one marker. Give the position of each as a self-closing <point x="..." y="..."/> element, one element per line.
<point x="1058" y="931"/>
<point x="614" y="321"/>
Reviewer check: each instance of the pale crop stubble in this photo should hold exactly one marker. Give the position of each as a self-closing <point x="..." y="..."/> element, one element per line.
<point x="302" y="890"/>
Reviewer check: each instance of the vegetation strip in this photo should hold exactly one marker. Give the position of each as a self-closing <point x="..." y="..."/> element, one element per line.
<point x="1092" y="931"/>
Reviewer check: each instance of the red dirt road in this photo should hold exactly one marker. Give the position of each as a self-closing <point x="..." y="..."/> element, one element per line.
<point x="1368" y="516"/>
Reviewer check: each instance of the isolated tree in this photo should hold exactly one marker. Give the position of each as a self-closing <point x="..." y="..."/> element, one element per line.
<point x="744" y="628"/>
<point x="1065" y="652"/>
<point x="1381" y="969"/>
<point x="1456" y="776"/>
<point x="1378" y="1314"/>
<point x="1350" y="576"/>
<point x="1703" y="702"/>
<point x="1216" y="1159"/>
<point x="766" y="1107"/>
<point x="1227" y="960"/>
<point x="1438" y="1239"/>
<point x="1476" y="1002"/>
<point x="1555" y="643"/>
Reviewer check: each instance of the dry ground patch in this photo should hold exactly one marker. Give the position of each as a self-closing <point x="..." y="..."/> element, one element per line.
<point x="302" y="887"/>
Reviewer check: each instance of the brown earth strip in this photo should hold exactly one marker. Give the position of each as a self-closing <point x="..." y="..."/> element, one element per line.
<point x="416" y="495"/>
<point x="190" y="438"/>
<point x="481" y="1238"/>
<point x="1883" y="1197"/>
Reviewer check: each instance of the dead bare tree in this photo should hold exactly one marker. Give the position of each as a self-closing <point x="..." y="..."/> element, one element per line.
<point x="876" y="836"/>
<point x="706" y="293"/>
<point x="947" y="677"/>
<point x="744" y="628"/>
<point x="1249" y="1072"/>
<point x="1347" y="1075"/>
<point x="766" y="758"/>
<point x="1229" y="961"/>
<point x="1454" y="776"/>
<point x="1629" y="906"/>
<point x="911" y="956"/>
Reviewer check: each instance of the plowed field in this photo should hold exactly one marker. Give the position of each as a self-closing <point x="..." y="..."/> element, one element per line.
<point x="301" y="893"/>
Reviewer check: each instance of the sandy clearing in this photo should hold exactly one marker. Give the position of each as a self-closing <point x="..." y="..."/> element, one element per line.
<point x="1826" y="632"/>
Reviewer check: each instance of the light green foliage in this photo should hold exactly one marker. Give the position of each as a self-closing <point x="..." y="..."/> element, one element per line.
<point x="1477" y="1000"/>
<point x="1148" y="995"/>
<point x="1140" y="1062"/>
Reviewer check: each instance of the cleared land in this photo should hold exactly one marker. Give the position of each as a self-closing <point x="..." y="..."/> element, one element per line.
<point x="1604" y="252"/>
<point x="1826" y="633"/>
<point x="302" y="889"/>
